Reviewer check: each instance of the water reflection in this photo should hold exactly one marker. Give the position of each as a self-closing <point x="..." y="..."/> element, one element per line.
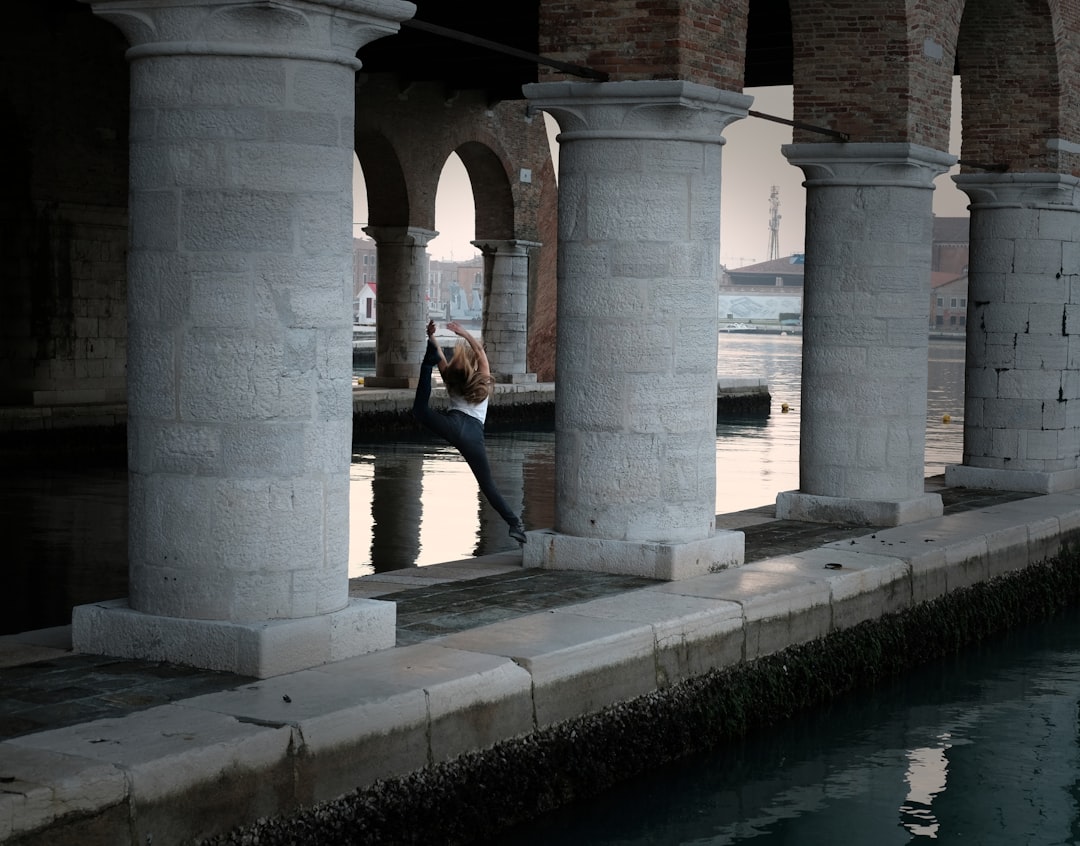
<point x="413" y="501"/>
<point x="981" y="749"/>
<point x="66" y="542"/>
<point x="755" y="460"/>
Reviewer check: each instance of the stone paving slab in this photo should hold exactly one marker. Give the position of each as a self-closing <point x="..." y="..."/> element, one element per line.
<point x="577" y="664"/>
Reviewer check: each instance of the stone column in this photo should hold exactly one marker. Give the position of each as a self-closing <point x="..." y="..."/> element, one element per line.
<point x="866" y="302"/>
<point x="506" y="299"/>
<point x="639" y="227"/>
<point x="400" y="309"/>
<point x="239" y="312"/>
<point x="1022" y="379"/>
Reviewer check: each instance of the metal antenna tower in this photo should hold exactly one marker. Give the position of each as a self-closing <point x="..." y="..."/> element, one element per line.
<point x="774" y="224"/>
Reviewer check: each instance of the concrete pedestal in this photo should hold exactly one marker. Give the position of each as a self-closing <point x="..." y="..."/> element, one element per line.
<point x="793" y="505"/>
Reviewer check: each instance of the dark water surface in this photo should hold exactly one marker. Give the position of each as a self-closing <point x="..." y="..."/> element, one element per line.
<point x="415" y="502"/>
<point x="982" y="750"/>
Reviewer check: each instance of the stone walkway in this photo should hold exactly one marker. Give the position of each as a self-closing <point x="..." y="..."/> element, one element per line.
<point x="44" y="686"/>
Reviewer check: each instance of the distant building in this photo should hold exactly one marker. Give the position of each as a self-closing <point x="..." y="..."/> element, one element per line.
<point x="364" y="305"/>
<point x="948" y="302"/>
<point x="767" y="292"/>
<point x="771" y="291"/>
<point x="951" y="245"/>
<point x="364" y="264"/>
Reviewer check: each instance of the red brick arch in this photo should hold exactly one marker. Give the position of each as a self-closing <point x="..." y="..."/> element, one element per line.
<point x="1010" y="56"/>
<point x="491" y="190"/>
<point x="879" y="70"/>
<point x="387" y="192"/>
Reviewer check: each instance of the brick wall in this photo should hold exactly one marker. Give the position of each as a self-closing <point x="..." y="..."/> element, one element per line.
<point x="868" y="68"/>
<point x="1013" y="59"/>
<point x="403" y="139"/>
<point x="699" y="41"/>
<point x="63" y="208"/>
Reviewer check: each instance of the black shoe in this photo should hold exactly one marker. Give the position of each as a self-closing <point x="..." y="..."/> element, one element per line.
<point x="431" y="356"/>
<point x="517" y="531"/>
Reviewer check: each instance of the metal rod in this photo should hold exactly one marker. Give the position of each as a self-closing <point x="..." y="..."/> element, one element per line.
<point x="566" y="67"/>
<point x="843" y="136"/>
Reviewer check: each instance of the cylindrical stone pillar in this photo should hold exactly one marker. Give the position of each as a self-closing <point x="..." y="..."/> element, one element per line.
<point x="1022" y="378"/>
<point x="639" y="226"/>
<point x="400" y="308"/>
<point x="506" y="299"/>
<point x="239" y="313"/>
<point x="869" y="236"/>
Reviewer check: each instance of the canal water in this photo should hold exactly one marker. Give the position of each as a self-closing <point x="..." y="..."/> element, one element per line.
<point x="414" y="500"/>
<point x="982" y="749"/>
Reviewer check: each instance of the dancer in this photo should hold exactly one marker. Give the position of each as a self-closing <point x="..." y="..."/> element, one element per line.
<point x="469" y="385"/>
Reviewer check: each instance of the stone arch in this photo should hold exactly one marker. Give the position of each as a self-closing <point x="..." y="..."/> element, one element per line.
<point x="1008" y="53"/>
<point x="880" y="71"/>
<point x="387" y="191"/>
<point x="492" y="196"/>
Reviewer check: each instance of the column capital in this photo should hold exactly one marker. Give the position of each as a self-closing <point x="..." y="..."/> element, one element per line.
<point x="504" y="246"/>
<point x="898" y="165"/>
<point x="638" y="109"/>
<point x="313" y="30"/>
<point x="1056" y="191"/>
<point x="401" y="236"/>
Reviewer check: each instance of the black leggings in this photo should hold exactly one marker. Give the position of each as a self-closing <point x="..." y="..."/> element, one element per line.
<point x="466" y="434"/>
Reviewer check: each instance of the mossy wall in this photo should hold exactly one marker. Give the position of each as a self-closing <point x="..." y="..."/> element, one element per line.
<point x="482" y="793"/>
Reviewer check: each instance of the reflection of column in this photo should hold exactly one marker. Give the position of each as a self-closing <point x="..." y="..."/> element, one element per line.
<point x="397" y="483"/>
<point x="400" y="310"/>
<point x="239" y="373"/>
<point x="865" y="344"/>
<point x="506" y="297"/>
<point x="1022" y="380"/>
<point x="639" y="220"/>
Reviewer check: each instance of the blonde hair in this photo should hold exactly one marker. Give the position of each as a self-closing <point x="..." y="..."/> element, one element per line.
<point x="462" y="375"/>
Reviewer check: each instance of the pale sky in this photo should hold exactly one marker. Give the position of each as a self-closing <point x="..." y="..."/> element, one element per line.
<point x="752" y="165"/>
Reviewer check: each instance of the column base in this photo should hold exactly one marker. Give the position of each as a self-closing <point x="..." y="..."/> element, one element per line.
<point x="989" y="478"/>
<point x="666" y="561"/>
<point x="260" y="649"/>
<point x="515" y="378"/>
<point x="391" y="382"/>
<point x="809" y="508"/>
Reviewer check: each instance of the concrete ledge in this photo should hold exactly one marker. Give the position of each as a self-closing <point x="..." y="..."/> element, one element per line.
<point x="667" y="561"/>
<point x="301" y="737"/>
<point x="963" y="476"/>
<point x="160" y="764"/>
<point x="810" y="508"/>
<point x="259" y="649"/>
<point x="578" y="664"/>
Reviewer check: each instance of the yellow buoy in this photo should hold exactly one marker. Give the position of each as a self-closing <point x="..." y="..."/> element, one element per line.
<point x="784" y="407"/>
<point x="946" y="419"/>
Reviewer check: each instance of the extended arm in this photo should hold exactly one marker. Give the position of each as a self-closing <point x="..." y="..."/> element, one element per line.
<point x="478" y="349"/>
<point x="438" y="348"/>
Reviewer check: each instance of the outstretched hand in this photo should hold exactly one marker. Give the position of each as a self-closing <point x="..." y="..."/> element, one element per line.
<point x="456" y="328"/>
<point x="431" y="328"/>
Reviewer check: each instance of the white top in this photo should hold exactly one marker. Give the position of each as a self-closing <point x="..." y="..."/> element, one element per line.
<point x="477" y="410"/>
